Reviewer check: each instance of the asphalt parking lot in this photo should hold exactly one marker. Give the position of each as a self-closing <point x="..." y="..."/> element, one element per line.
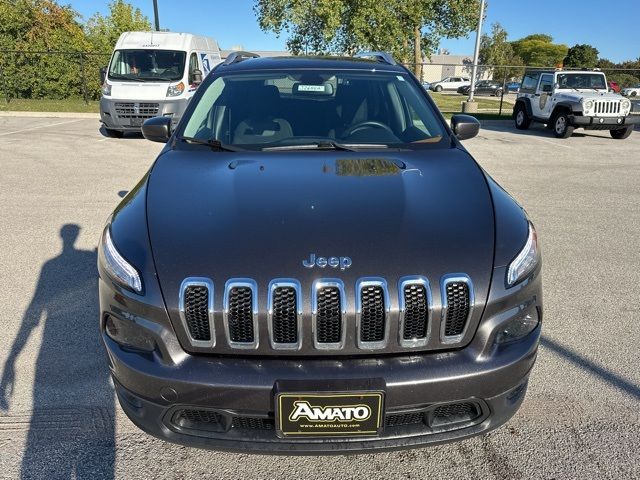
<point x="60" y="179"/>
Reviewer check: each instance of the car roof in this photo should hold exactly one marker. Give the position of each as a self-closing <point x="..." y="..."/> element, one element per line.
<point x="311" y="62"/>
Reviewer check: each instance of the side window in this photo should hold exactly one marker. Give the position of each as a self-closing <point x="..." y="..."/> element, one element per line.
<point x="530" y="81"/>
<point x="546" y="83"/>
<point x="193" y="65"/>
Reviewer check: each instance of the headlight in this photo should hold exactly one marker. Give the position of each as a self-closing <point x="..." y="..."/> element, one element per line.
<point x="521" y="325"/>
<point x="120" y="271"/>
<point x="525" y="261"/>
<point x="175" y="90"/>
<point x="588" y="105"/>
<point x="625" y="105"/>
<point x="106" y="89"/>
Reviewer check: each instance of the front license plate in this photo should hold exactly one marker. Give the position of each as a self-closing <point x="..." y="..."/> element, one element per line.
<point x="136" y="122"/>
<point x="329" y="414"/>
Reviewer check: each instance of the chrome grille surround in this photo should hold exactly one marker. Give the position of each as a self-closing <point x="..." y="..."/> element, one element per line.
<point x="228" y="287"/>
<point x="444" y="282"/>
<point x="273" y="286"/>
<point x="197" y="282"/>
<point x="402" y="284"/>
<point x="361" y="284"/>
<point x="315" y="289"/>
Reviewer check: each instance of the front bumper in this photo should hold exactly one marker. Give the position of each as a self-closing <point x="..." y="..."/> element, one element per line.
<point x="603" y="123"/>
<point x="151" y="392"/>
<point x="113" y="117"/>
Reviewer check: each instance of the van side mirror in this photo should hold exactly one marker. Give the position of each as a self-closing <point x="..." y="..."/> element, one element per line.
<point x="157" y="129"/>
<point x="196" y="77"/>
<point x="103" y="75"/>
<point x="465" y="126"/>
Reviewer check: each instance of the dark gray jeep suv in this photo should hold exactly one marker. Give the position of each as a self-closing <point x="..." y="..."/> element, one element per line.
<point x="315" y="264"/>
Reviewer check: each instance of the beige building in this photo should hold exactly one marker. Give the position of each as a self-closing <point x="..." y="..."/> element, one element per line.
<point x="441" y="66"/>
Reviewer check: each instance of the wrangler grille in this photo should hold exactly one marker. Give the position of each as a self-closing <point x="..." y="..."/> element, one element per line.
<point x="605" y="107"/>
<point x="373" y="313"/>
<point x="458" y="308"/>
<point x="285" y="315"/>
<point x="416" y="312"/>
<point x="137" y="110"/>
<point x="240" y="315"/>
<point x="196" y="312"/>
<point x="329" y="315"/>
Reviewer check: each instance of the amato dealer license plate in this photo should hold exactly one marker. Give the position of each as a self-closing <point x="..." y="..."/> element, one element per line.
<point x="329" y="414"/>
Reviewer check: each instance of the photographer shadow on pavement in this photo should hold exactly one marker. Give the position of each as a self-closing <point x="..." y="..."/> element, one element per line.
<point x="71" y="427"/>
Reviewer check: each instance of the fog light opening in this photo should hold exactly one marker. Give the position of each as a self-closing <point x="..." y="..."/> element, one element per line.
<point x="128" y="334"/>
<point x="518" y="327"/>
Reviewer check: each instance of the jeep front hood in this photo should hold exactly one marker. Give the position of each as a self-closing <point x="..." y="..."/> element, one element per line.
<point x="259" y="215"/>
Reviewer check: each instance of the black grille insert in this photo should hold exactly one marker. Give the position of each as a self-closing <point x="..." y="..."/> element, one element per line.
<point x="240" y="315"/>
<point x="285" y="315"/>
<point x="196" y="312"/>
<point x="415" y="312"/>
<point x="252" y="423"/>
<point x="372" y="313"/>
<point x="454" y="413"/>
<point x="403" y="419"/>
<point x="205" y="420"/>
<point x="328" y="315"/>
<point x="458" y="307"/>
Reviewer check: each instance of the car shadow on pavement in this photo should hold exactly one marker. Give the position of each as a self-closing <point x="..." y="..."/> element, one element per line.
<point x="71" y="426"/>
<point x="591" y="367"/>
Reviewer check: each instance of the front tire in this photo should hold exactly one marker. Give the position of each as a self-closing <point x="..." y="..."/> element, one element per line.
<point x="561" y="126"/>
<point x="438" y="88"/>
<point x="633" y="94"/>
<point x="621" y="133"/>
<point x="521" y="118"/>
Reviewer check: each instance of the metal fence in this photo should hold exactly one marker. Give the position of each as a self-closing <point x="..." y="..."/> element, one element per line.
<point x="63" y="75"/>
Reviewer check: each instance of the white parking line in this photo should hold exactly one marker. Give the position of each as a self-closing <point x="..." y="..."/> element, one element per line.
<point x="40" y="126"/>
<point x="551" y="142"/>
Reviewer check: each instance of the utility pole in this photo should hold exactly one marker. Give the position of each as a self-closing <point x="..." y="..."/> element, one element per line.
<point x="476" y="54"/>
<point x="155" y="14"/>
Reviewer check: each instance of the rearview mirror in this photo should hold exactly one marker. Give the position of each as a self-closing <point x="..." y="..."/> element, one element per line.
<point x="157" y="129"/>
<point x="465" y="126"/>
<point x="103" y="75"/>
<point x="196" y="77"/>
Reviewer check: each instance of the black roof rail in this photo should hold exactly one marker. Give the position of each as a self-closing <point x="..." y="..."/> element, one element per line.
<point x="238" y="56"/>
<point x="382" y="57"/>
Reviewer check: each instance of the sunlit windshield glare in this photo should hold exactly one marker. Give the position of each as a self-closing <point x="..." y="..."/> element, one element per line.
<point x="147" y="65"/>
<point x="581" y="80"/>
<point x="289" y="108"/>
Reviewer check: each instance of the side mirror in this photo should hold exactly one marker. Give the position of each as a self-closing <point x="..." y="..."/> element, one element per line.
<point x="547" y="88"/>
<point x="196" y="77"/>
<point x="465" y="126"/>
<point x="157" y="129"/>
<point x="103" y="75"/>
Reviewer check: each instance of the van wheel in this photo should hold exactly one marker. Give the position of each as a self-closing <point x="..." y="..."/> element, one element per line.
<point x="438" y="88"/>
<point x="633" y="94"/>
<point x="522" y="119"/>
<point x="114" y="133"/>
<point x="561" y="127"/>
<point x="621" y="133"/>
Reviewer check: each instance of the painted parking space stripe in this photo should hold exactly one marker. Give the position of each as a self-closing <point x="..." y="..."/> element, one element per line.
<point x="40" y="126"/>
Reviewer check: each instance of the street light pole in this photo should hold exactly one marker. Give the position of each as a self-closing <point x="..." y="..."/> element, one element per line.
<point x="476" y="54"/>
<point x="155" y="14"/>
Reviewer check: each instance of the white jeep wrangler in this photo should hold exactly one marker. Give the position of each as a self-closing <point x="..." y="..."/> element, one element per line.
<point x="569" y="99"/>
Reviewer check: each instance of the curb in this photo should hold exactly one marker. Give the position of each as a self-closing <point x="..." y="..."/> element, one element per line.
<point x="95" y="116"/>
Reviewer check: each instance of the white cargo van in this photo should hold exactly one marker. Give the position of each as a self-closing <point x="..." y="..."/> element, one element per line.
<point x="153" y="74"/>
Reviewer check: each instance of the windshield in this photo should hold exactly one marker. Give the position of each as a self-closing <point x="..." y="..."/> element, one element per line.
<point x="147" y="65"/>
<point x="581" y="80"/>
<point x="290" y="108"/>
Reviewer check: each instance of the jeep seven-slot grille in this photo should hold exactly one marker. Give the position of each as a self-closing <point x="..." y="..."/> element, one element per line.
<point x="458" y="307"/>
<point x="329" y="315"/>
<point x="196" y="312"/>
<point x="605" y="107"/>
<point x="373" y="314"/>
<point x="240" y="316"/>
<point x="416" y="312"/>
<point x="285" y="315"/>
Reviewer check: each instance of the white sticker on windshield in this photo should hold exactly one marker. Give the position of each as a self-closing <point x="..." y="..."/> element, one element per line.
<point x="400" y="77"/>
<point x="311" y="88"/>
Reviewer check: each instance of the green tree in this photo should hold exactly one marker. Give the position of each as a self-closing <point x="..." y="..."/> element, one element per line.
<point x="538" y="50"/>
<point x="403" y="27"/>
<point x="495" y="50"/>
<point x="582" y="56"/>
<point x="103" y="31"/>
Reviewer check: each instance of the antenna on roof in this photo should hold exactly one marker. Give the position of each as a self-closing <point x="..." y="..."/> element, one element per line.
<point x="382" y="57"/>
<point x="235" y="57"/>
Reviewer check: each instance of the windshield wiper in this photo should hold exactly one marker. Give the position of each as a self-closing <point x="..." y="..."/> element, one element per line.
<point x="216" y="145"/>
<point x="328" y="145"/>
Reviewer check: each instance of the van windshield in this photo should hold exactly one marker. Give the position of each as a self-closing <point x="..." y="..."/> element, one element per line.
<point x="290" y="108"/>
<point x="147" y="65"/>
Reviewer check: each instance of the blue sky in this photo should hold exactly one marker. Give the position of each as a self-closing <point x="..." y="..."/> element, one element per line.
<point x="612" y="31"/>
